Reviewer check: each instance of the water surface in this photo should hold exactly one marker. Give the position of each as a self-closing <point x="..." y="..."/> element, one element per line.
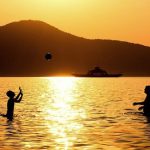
<point x="74" y="114"/>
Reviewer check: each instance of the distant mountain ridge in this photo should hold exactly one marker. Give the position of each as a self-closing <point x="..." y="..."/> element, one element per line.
<point x="23" y="45"/>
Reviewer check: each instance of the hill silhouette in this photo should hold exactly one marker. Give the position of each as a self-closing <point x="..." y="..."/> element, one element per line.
<point x="23" y="46"/>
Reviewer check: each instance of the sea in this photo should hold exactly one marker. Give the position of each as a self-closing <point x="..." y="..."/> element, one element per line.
<point x="70" y="113"/>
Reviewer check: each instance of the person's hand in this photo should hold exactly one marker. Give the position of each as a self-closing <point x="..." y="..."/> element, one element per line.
<point x="140" y="108"/>
<point x="20" y="91"/>
<point x="135" y="103"/>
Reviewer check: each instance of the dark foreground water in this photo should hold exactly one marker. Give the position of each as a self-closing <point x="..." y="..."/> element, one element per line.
<point x="75" y="114"/>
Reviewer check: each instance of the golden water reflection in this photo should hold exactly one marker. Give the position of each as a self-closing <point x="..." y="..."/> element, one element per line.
<point x="75" y="113"/>
<point x="63" y="115"/>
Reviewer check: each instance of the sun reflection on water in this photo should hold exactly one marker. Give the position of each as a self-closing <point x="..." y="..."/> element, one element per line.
<point x="75" y="114"/>
<point x="63" y="115"/>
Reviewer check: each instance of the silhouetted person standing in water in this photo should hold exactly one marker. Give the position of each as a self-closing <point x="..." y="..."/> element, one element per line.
<point x="11" y="102"/>
<point x="145" y="103"/>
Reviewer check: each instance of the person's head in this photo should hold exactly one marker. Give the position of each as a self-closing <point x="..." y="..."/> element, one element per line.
<point x="147" y="89"/>
<point x="10" y="94"/>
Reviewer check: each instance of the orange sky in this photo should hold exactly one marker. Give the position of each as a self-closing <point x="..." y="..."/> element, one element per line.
<point x="126" y="20"/>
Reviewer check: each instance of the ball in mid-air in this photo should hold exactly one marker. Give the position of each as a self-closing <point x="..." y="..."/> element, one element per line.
<point x="48" y="56"/>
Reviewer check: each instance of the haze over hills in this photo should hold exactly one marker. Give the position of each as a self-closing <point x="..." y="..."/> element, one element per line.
<point x="23" y="46"/>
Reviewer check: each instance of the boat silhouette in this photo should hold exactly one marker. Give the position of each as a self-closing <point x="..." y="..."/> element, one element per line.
<point x="98" y="72"/>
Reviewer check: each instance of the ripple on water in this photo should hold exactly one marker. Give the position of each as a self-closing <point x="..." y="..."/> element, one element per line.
<point x="75" y="113"/>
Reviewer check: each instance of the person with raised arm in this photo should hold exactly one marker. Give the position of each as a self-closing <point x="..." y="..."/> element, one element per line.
<point x="11" y="102"/>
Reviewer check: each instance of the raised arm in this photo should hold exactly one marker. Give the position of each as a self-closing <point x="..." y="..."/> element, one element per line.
<point x="19" y="96"/>
<point x="139" y="103"/>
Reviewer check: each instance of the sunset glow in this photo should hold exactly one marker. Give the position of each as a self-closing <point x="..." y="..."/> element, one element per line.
<point x="105" y="19"/>
<point x="74" y="74"/>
